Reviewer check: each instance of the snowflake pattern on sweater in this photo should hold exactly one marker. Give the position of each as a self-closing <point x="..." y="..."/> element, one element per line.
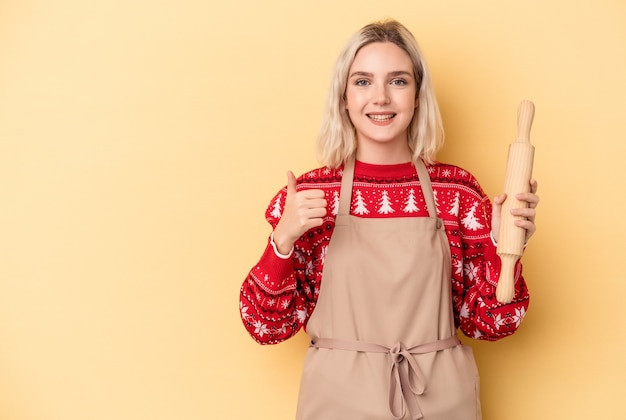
<point x="279" y="295"/>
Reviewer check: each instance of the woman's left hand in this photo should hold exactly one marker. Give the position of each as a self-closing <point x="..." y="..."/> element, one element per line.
<point x="527" y="213"/>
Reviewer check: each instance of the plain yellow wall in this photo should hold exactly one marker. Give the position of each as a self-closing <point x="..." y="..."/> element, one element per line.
<point x="140" y="142"/>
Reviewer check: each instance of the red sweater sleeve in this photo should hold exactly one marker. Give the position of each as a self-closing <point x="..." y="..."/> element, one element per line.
<point x="278" y="295"/>
<point x="478" y="312"/>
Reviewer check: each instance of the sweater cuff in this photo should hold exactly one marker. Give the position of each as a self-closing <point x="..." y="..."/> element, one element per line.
<point x="491" y="256"/>
<point x="493" y="265"/>
<point x="273" y="273"/>
<point x="493" y="240"/>
<point x="277" y="252"/>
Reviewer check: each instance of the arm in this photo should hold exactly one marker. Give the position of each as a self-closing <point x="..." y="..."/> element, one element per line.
<point x="274" y="304"/>
<point x="480" y="314"/>
<point x="279" y="293"/>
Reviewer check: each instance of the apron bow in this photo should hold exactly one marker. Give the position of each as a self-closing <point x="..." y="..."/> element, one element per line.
<point x="406" y="381"/>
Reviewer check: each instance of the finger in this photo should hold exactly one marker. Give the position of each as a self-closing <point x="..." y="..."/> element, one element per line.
<point x="526" y="213"/>
<point x="308" y="211"/>
<point x="315" y="222"/>
<point x="529" y="227"/>
<point x="318" y="203"/>
<point x="312" y="194"/>
<point x="533" y="186"/>
<point x="316" y="213"/>
<point x="291" y="183"/>
<point x="498" y="200"/>
<point x="530" y="198"/>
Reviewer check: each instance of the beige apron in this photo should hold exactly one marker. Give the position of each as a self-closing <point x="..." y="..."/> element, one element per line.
<point x="384" y="345"/>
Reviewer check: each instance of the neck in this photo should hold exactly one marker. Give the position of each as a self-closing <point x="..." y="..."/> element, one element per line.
<point x="384" y="155"/>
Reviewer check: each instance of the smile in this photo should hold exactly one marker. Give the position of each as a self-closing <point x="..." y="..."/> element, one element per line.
<point x="381" y="117"/>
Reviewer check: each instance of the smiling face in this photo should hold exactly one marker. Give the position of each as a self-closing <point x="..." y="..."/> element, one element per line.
<point x="381" y="100"/>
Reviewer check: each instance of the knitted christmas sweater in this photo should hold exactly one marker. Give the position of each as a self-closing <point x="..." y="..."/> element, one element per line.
<point x="279" y="295"/>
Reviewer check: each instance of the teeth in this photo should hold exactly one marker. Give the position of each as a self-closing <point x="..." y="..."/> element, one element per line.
<point x="381" y="117"/>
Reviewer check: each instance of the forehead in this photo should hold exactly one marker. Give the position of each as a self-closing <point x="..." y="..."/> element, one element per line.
<point x="381" y="56"/>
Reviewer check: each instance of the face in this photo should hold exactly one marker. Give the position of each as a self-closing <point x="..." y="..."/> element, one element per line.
<point x="381" y="100"/>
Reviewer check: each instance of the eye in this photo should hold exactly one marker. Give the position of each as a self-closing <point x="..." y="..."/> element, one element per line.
<point x="361" y="82"/>
<point x="399" y="82"/>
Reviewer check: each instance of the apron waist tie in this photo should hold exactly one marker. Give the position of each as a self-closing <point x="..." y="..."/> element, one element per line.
<point x="405" y="376"/>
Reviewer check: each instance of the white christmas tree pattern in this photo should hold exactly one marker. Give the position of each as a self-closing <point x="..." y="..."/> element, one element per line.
<point x="454" y="209"/>
<point x="410" y="203"/>
<point x="335" y="205"/>
<point x="277" y="209"/>
<point x="360" y="207"/>
<point x="385" y="204"/>
<point x="470" y="221"/>
<point x="436" y="201"/>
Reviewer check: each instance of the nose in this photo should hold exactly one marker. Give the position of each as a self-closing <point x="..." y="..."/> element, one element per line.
<point x="381" y="95"/>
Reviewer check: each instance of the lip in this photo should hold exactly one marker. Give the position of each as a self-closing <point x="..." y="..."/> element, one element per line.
<point x="381" y="118"/>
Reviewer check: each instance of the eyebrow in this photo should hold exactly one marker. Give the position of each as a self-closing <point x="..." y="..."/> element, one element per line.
<point x="392" y="73"/>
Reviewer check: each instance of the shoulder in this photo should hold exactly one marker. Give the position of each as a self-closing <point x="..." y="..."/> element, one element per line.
<point x="322" y="178"/>
<point x="445" y="172"/>
<point x="322" y="174"/>
<point x="444" y="175"/>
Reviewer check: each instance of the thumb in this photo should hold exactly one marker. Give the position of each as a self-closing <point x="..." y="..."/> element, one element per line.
<point x="499" y="200"/>
<point x="291" y="183"/>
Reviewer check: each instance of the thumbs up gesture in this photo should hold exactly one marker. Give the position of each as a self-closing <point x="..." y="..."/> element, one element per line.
<point x="303" y="210"/>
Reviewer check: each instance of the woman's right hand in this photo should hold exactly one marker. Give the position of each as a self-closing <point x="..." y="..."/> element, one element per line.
<point x="303" y="210"/>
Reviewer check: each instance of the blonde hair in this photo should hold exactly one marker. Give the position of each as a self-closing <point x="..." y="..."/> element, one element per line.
<point x="337" y="138"/>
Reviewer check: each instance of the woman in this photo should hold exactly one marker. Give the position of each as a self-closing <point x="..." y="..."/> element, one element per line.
<point x="383" y="253"/>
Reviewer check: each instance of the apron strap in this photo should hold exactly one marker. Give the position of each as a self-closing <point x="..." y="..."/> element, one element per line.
<point x="406" y="379"/>
<point x="345" y="193"/>
<point x="427" y="188"/>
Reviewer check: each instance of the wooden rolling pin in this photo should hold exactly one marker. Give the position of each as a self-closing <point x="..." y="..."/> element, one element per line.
<point x="517" y="180"/>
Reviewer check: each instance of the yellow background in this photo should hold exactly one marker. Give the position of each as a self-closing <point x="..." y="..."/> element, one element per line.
<point x="140" y="143"/>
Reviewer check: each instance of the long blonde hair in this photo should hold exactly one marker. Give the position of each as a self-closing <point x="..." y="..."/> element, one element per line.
<point x="337" y="138"/>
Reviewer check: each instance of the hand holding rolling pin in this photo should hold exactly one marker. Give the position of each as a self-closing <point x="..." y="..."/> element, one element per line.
<point x="513" y="217"/>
